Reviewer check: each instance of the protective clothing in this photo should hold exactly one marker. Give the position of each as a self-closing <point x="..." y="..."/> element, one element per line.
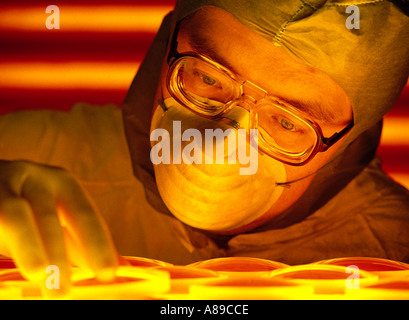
<point x="352" y="208"/>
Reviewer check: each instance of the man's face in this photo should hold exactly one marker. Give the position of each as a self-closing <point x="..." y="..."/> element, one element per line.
<point x="210" y="195"/>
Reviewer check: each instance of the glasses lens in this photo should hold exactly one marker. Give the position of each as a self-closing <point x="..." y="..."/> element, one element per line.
<point x="204" y="87"/>
<point x="284" y="134"/>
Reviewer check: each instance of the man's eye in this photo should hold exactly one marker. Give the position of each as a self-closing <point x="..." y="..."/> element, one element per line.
<point x="207" y="80"/>
<point x="287" y="125"/>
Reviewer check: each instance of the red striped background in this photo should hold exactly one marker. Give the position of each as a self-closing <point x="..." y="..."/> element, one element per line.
<point x="94" y="55"/>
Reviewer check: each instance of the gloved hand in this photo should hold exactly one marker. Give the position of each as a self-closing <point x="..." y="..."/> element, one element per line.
<point x="47" y="219"/>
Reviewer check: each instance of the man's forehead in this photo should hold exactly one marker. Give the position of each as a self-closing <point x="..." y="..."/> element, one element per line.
<point x="217" y="34"/>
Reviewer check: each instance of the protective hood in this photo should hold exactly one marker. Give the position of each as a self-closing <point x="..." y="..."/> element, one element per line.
<point x="371" y="64"/>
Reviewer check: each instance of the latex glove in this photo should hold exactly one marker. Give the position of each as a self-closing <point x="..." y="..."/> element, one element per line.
<point x="47" y="219"/>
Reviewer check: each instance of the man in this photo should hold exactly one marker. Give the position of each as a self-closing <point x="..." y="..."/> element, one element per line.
<point x="314" y="90"/>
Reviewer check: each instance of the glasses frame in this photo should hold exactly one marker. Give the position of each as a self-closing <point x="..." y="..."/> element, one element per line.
<point x="323" y="143"/>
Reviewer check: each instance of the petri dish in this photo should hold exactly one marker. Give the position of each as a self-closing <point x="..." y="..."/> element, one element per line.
<point x="240" y="266"/>
<point x="382" y="267"/>
<point x="145" y="262"/>
<point x="130" y="283"/>
<point x="326" y="279"/>
<point x="368" y="263"/>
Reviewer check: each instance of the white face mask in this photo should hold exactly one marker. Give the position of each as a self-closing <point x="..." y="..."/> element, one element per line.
<point x="214" y="197"/>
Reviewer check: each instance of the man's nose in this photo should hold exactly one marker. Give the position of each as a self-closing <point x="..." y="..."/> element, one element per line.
<point x="252" y="92"/>
<point x="228" y="130"/>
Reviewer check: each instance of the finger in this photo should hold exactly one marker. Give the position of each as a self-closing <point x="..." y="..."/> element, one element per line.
<point x="44" y="210"/>
<point x="88" y="229"/>
<point x="23" y="239"/>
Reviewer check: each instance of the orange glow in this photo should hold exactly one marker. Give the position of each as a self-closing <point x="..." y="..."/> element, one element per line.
<point x="395" y="134"/>
<point x="234" y="279"/>
<point x="395" y="131"/>
<point x="86" y="18"/>
<point x="225" y="278"/>
<point x="67" y="75"/>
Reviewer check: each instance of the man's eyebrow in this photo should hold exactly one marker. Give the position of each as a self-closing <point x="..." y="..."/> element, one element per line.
<point x="317" y="111"/>
<point x="204" y="46"/>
